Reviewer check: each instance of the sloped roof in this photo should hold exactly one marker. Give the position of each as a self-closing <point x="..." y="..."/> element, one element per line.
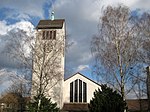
<point x="50" y="24"/>
<point x="134" y="104"/>
<point x="75" y="107"/>
<point x="84" y="77"/>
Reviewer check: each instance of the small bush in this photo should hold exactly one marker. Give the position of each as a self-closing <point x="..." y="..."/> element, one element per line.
<point x="42" y="105"/>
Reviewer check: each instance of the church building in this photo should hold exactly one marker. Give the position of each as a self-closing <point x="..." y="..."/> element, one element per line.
<point x="78" y="91"/>
<point x="72" y="94"/>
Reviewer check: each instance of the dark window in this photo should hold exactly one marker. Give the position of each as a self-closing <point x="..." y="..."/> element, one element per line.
<point x="76" y="91"/>
<point x="71" y="92"/>
<point x="43" y="35"/>
<point x="47" y="35"/>
<point x="54" y="34"/>
<point x="51" y="35"/>
<point x="80" y="91"/>
<point x="84" y="92"/>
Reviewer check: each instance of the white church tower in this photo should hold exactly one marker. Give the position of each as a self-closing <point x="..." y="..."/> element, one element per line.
<point x="48" y="60"/>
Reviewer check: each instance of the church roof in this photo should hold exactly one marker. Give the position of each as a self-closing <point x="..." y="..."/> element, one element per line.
<point x="137" y="104"/>
<point x="50" y="24"/>
<point x="78" y="73"/>
<point x="75" y="107"/>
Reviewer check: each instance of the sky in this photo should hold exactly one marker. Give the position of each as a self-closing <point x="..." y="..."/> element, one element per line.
<point x="81" y="17"/>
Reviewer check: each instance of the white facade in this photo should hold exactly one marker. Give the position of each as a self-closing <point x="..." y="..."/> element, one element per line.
<point x="91" y="87"/>
<point x="48" y="63"/>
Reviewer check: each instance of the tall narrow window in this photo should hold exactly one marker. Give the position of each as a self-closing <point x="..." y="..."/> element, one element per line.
<point x="80" y="91"/>
<point x="84" y="92"/>
<point x="51" y="37"/>
<point x="43" y="35"/>
<point x="54" y="34"/>
<point x="71" y="92"/>
<point x="47" y="35"/>
<point x="76" y="91"/>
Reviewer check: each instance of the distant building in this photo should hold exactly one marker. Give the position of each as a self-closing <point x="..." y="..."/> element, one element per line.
<point x="141" y="105"/>
<point x="12" y="102"/>
<point x="148" y="85"/>
<point x="137" y="105"/>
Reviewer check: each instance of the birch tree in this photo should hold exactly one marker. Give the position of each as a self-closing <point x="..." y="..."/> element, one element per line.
<point x="42" y="58"/>
<point x="117" y="47"/>
<point x="47" y="64"/>
<point x="144" y="24"/>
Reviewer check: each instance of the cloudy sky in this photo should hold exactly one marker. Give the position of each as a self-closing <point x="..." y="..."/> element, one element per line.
<point x="81" y="16"/>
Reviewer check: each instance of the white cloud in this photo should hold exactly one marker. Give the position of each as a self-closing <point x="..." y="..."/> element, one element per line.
<point x="23" y="8"/>
<point x="22" y="25"/>
<point x="142" y="4"/>
<point x="3" y="27"/>
<point x="9" y="77"/>
<point x="6" y="35"/>
<point x="132" y="4"/>
<point x="82" y="67"/>
<point x="82" y="18"/>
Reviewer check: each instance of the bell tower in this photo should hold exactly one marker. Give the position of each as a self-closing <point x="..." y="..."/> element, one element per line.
<point x="48" y="60"/>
